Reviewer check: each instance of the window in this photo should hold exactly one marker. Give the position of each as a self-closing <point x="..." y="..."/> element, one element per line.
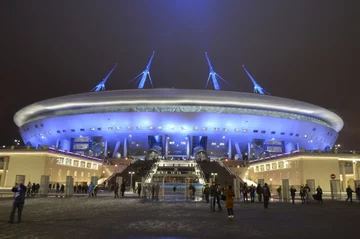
<point x="41" y="125"/>
<point x="297" y="135"/>
<point x="58" y="131"/>
<point x="262" y="167"/>
<point x="92" y="129"/>
<point x="138" y="127"/>
<point x="119" y="128"/>
<point x="281" y="164"/>
<point x="36" y="126"/>
<point x="129" y="127"/>
<point x="204" y="128"/>
<point x="245" y="130"/>
<point x="95" y="166"/>
<point x="82" y="164"/>
<point x="236" y="130"/>
<point x="268" y="166"/>
<point x="273" y="132"/>
<point x="255" y="131"/>
<point x="88" y="165"/>
<point x="225" y="129"/>
<point x="99" y="128"/>
<point x="64" y="130"/>
<point x="72" y="130"/>
<point x="314" y="129"/>
<point x="76" y="163"/>
<point x="282" y="133"/>
<point x="82" y="129"/>
<point x="291" y="134"/>
<point x="110" y="128"/>
<point x="216" y="129"/>
<point x="196" y="128"/>
<point x="274" y="165"/>
<point x="263" y="131"/>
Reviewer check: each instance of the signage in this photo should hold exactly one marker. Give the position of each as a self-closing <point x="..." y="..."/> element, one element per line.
<point x="332" y="176"/>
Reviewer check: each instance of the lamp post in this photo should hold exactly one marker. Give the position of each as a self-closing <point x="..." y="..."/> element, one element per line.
<point x="131" y="175"/>
<point x="214" y="176"/>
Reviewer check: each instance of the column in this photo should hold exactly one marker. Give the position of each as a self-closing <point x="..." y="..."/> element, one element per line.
<point x="166" y="146"/>
<point x="44" y="185"/>
<point x="69" y="186"/>
<point x="342" y="172"/>
<point x="105" y="149"/>
<point x="286" y="190"/>
<point x="125" y="148"/>
<point x="57" y="144"/>
<point x="355" y="170"/>
<point x="238" y="151"/>
<point x="6" y="167"/>
<point x="249" y="151"/>
<point x="188" y="147"/>
<point x="116" y="149"/>
<point x="229" y="149"/>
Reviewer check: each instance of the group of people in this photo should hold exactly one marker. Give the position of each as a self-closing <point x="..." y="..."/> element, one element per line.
<point x="32" y="189"/>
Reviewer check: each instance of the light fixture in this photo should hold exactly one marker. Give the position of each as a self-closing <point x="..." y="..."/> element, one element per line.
<point x="236" y="130"/>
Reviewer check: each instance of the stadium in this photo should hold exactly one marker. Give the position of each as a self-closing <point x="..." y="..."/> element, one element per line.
<point x="177" y="123"/>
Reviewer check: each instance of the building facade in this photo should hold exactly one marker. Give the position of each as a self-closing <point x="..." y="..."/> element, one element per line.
<point x="29" y="165"/>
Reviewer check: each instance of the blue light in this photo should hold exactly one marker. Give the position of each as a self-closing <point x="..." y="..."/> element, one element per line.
<point x="143" y="75"/>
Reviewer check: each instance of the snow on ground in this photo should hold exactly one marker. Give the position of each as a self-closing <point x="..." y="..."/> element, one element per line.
<point x="106" y="217"/>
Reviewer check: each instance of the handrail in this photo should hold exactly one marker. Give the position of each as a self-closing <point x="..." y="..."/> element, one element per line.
<point x="229" y="171"/>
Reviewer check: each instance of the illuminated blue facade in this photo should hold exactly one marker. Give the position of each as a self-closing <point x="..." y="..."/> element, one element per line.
<point x="177" y="123"/>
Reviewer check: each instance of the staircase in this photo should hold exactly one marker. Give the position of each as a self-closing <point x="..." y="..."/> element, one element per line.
<point x="140" y="169"/>
<point x="223" y="177"/>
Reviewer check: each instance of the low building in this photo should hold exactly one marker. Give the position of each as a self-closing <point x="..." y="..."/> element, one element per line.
<point x="302" y="168"/>
<point x="29" y="165"/>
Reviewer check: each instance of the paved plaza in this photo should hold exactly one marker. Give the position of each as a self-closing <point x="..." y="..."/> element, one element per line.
<point x="106" y="217"/>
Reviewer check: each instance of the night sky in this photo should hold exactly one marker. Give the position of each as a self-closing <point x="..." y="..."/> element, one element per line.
<point x="305" y="50"/>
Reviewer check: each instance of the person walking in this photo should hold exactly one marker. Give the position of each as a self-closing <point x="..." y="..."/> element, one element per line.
<point x="19" y="201"/>
<point x="28" y="193"/>
<point x="266" y="195"/>
<point x="307" y="193"/>
<point x="292" y="193"/>
<point x="96" y="188"/>
<point x="207" y="193"/>
<point x="122" y="189"/>
<point x="259" y="192"/>
<point x="357" y="191"/>
<point x="302" y="194"/>
<point x="319" y="193"/>
<point x="349" y="192"/>
<point x="229" y="202"/>
<point x="279" y="191"/>
<point x="252" y="193"/>
<point x="139" y="189"/>
<point x="245" y="191"/>
<point x="116" y="190"/>
<point x="91" y="188"/>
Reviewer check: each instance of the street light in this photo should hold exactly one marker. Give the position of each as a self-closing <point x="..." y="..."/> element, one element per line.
<point x="214" y="175"/>
<point x="131" y="175"/>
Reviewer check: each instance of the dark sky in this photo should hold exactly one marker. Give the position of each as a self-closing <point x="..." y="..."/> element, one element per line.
<point x="305" y="50"/>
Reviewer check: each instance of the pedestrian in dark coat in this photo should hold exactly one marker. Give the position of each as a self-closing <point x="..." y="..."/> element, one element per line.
<point x="19" y="201"/>
<point x="259" y="192"/>
<point x="122" y="189"/>
<point x="319" y="193"/>
<point x="358" y="192"/>
<point x="292" y="193"/>
<point x="349" y="193"/>
<point x="266" y="195"/>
